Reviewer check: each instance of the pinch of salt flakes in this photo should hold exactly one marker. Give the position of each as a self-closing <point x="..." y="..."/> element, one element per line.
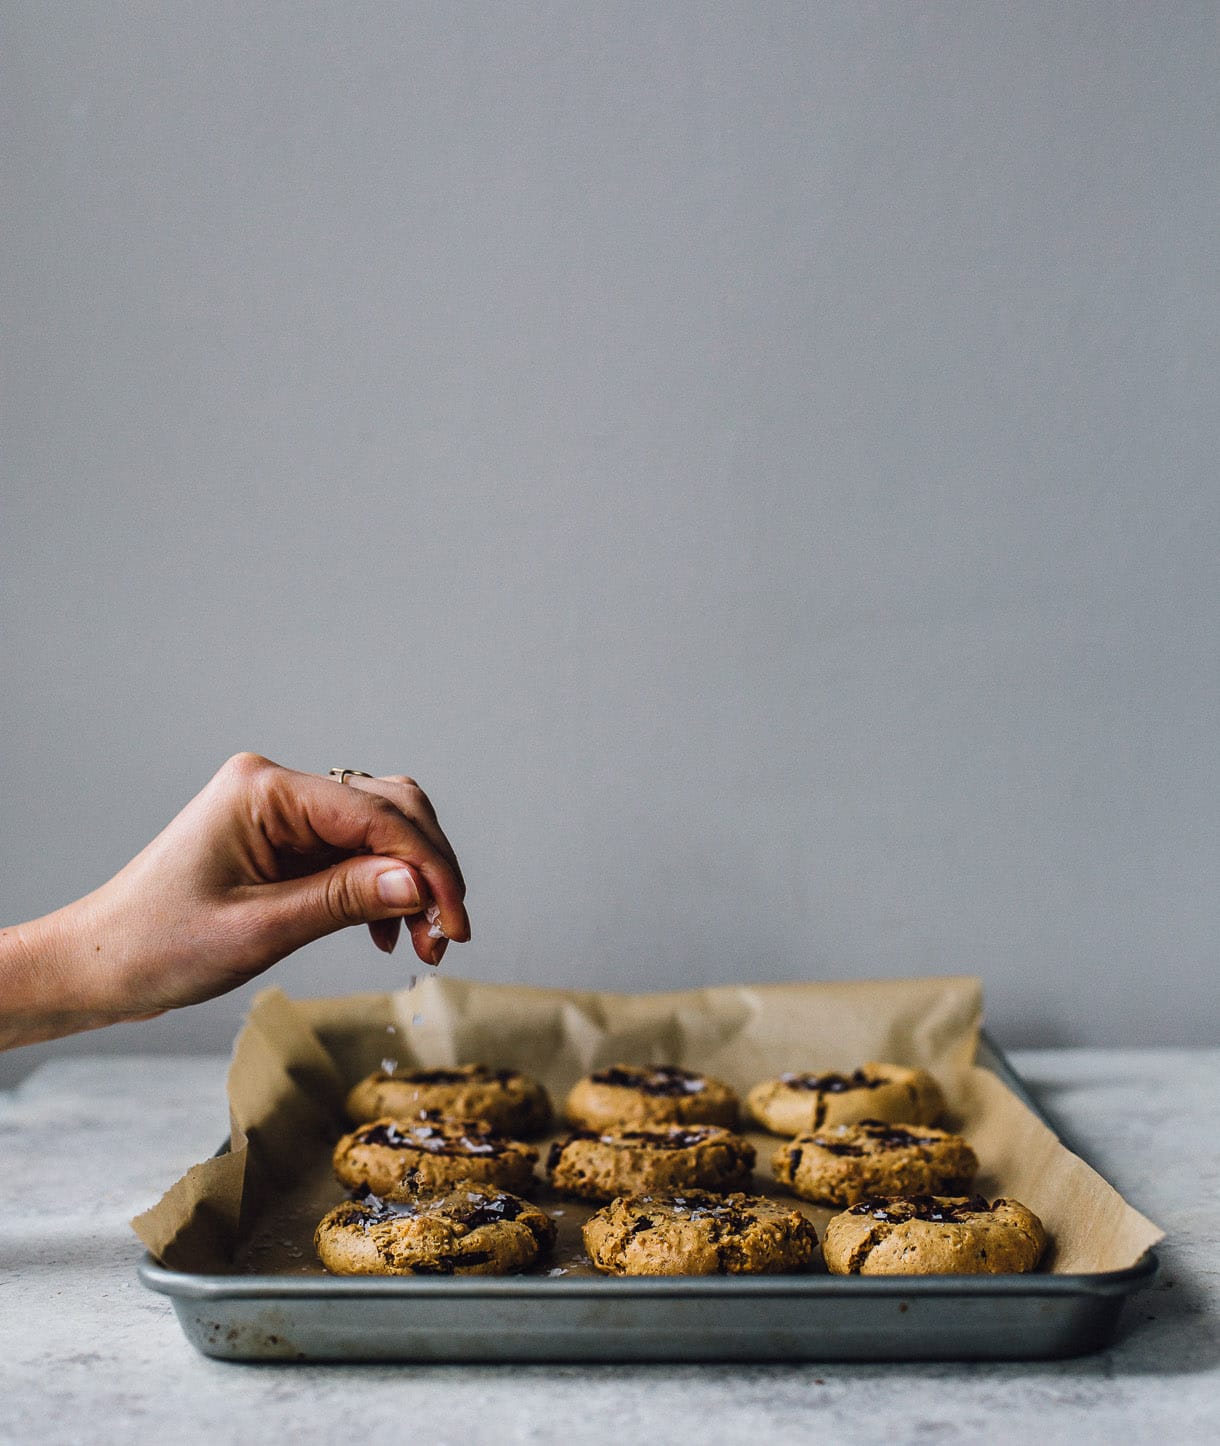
<point x="433" y="916"/>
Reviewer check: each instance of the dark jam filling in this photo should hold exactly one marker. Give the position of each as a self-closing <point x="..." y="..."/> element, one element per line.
<point x="899" y="1209"/>
<point x="474" y="1141"/>
<point x="889" y="1137"/>
<point x="833" y="1084"/>
<point x="452" y="1076"/>
<point x="676" y="1139"/>
<point x="653" y="1079"/>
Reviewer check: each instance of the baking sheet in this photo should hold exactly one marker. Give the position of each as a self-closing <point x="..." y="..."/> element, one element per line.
<point x="254" y="1209"/>
<point x="234" y="1236"/>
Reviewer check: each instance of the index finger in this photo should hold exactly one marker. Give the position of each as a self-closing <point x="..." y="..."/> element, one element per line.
<point x="301" y="810"/>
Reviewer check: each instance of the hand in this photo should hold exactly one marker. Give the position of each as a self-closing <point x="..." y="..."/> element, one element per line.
<point x="262" y="861"/>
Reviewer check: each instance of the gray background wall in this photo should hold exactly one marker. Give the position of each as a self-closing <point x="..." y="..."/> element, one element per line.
<point x="754" y="463"/>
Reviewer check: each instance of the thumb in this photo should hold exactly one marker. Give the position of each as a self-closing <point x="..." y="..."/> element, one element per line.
<point x="355" y="891"/>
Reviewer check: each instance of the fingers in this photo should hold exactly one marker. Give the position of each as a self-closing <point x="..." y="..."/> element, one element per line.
<point x="414" y="803"/>
<point x="407" y="795"/>
<point x="362" y="889"/>
<point x="387" y="828"/>
<point x="384" y="933"/>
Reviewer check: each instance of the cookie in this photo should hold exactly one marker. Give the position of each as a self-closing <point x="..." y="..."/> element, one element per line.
<point x="507" y="1100"/>
<point x="933" y="1235"/>
<point x="841" y="1164"/>
<point x="698" y="1233"/>
<point x="472" y="1230"/>
<point x="598" y="1165"/>
<point x="400" y="1158"/>
<point x="653" y="1094"/>
<point x="890" y="1092"/>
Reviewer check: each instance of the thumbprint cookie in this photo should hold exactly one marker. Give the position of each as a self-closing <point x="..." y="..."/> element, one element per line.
<point x="600" y="1164"/>
<point x="698" y="1233"/>
<point x="841" y="1164"/>
<point x="933" y="1235"/>
<point x="652" y="1094"/>
<point x="410" y="1157"/>
<point x="472" y="1230"/>
<point x="505" y="1098"/>
<point x="890" y="1092"/>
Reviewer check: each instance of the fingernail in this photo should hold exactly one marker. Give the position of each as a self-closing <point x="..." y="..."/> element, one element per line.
<point x="438" y="950"/>
<point x="397" y="889"/>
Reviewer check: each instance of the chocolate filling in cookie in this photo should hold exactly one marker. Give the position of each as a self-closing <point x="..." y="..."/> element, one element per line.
<point x="897" y="1211"/>
<point x="476" y="1138"/>
<point x="450" y="1076"/>
<point x="653" y="1079"/>
<point x="675" y="1139"/>
<point x="834" y="1084"/>
<point x="889" y="1137"/>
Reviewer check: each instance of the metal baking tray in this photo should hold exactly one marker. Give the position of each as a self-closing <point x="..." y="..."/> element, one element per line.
<point x="686" y="1318"/>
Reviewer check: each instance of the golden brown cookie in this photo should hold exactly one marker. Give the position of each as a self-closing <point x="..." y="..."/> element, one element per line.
<point x="933" y="1235"/>
<point x="598" y="1165"/>
<point x="471" y="1230"/>
<point x="400" y="1158"/>
<point x="698" y="1233"/>
<point x="841" y="1164"/>
<point x="890" y="1092"/>
<point x="652" y="1094"/>
<point x="506" y="1099"/>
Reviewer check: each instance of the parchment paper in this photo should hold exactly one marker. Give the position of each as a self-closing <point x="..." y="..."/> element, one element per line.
<point x="254" y="1209"/>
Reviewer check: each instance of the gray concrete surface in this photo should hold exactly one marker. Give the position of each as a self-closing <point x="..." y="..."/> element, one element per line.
<point x="90" y="1356"/>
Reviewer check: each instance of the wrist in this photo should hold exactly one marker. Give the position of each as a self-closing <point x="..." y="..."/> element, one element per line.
<point x="52" y="979"/>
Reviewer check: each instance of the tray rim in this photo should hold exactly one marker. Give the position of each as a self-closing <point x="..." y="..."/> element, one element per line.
<point x="189" y="1285"/>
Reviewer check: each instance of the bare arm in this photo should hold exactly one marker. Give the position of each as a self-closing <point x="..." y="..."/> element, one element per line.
<point x="262" y="861"/>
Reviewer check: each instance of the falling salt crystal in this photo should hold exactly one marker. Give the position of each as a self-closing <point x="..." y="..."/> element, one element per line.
<point x="433" y="916"/>
<point x="558" y="1270"/>
<point x="555" y="1214"/>
<point x="388" y="1066"/>
<point x="389" y="1029"/>
<point x="417" y="1019"/>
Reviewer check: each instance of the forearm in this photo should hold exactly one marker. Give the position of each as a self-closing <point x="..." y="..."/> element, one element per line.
<point x="49" y="984"/>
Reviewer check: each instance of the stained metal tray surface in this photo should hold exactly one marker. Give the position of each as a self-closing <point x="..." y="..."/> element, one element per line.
<point x="684" y="1318"/>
